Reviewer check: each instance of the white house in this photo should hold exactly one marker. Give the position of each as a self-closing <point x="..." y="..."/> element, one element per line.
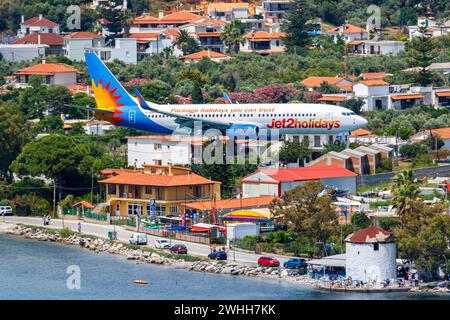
<point x="372" y="47"/>
<point x="97" y="127"/>
<point x="159" y="150"/>
<point x="228" y="11"/>
<point x="433" y="28"/>
<point x="37" y="24"/>
<point x="76" y="43"/>
<point x="374" y="93"/>
<point x="124" y="49"/>
<point x="348" y="32"/>
<point x="371" y="255"/>
<point x="443" y="133"/>
<point x="276" y="9"/>
<point x="22" y="52"/>
<point x="54" y="74"/>
<point x="318" y="141"/>
<point x="208" y="33"/>
<point x="264" y="43"/>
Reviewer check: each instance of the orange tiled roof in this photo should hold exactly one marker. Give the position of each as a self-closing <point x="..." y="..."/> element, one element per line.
<point x="46" y="69"/>
<point x="348" y="28"/>
<point x="51" y="39"/>
<point x="171" y="32"/>
<point x="179" y="17"/>
<point x="36" y="21"/>
<point x="264" y="36"/>
<point x="407" y="96"/>
<point x="148" y="35"/>
<point x="444" y="133"/>
<point x="204" y="53"/>
<point x="83" y="35"/>
<point x="332" y="98"/>
<point x="145" y="179"/>
<point x="209" y="22"/>
<point x="224" y="7"/>
<point x="345" y="86"/>
<point x="354" y="42"/>
<point x="208" y="34"/>
<point x="317" y="81"/>
<point x="443" y="93"/>
<point x="360" y="133"/>
<point x="373" y="83"/>
<point x="374" y="75"/>
<point x="231" y="203"/>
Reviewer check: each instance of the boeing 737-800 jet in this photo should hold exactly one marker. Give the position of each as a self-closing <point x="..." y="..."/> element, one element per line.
<point x="116" y="105"/>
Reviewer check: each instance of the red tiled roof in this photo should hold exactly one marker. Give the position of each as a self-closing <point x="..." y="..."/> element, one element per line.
<point x="370" y="234"/>
<point x="51" y="39"/>
<point x="306" y="173"/>
<point x="444" y="133"/>
<point x="205" y="53"/>
<point x="84" y="204"/>
<point x="83" y="35"/>
<point x="349" y="28"/>
<point x="180" y="17"/>
<point x="47" y="69"/>
<point x="36" y="21"/>
<point x="171" y="32"/>
<point x="231" y="203"/>
<point x="140" y="178"/>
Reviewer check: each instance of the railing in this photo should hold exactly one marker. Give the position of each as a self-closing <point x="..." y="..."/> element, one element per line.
<point x="99" y="217"/>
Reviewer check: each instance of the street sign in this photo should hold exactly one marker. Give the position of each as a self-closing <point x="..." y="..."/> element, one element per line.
<point x="152" y="206"/>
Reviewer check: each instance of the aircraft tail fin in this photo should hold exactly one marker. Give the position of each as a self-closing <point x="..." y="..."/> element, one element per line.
<point x="108" y="91"/>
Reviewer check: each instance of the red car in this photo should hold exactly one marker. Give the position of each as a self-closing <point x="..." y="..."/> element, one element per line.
<point x="268" y="262"/>
<point x="179" y="249"/>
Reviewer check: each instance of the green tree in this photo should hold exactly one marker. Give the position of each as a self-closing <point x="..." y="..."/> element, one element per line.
<point x="158" y="91"/>
<point x="198" y="81"/>
<point x="15" y="132"/>
<point x="116" y="17"/>
<point x="310" y="215"/>
<point x="405" y="190"/>
<point x="232" y="35"/>
<point x="334" y="147"/>
<point x="354" y="104"/>
<point x="421" y="53"/>
<point x="413" y="150"/>
<point x="186" y="42"/>
<point x="33" y="99"/>
<point x="57" y="157"/>
<point x="295" y="150"/>
<point x="297" y="26"/>
<point x="360" y="220"/>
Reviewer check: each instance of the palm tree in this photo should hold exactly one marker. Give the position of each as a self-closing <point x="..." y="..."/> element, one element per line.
<point x="186" y="42"/>
<point x="405" y="192"/>
<point x="232" y="35"/>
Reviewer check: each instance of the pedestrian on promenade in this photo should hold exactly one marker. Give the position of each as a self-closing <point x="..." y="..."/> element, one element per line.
<point x="79" y="227"/>
<point x="416" y="280"/>
<point x="410" y="279"/>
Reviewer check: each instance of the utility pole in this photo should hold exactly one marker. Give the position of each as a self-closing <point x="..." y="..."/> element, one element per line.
<point x="54" y="197"/>
<point x="92" y="185"/>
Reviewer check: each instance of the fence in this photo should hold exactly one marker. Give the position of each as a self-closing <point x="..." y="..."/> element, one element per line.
<point x="69" y="211"/>
<point x="98" y="217"/>
<point x="381" y="178"/>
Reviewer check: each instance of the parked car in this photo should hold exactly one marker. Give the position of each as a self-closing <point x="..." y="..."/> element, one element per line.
<point x="178" y="248"/>
<point x="162" y="244"/>
<point x="218" y="255"/>
<point x="295" y="263"/>
<point x="138" y="239"/>
<point x="6" y="210"/>
<point x="268" y="262"/>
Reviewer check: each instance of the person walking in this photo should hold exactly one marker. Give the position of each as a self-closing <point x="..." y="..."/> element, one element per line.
<point x="416" y="279"/>
<point x="79" y="227"/>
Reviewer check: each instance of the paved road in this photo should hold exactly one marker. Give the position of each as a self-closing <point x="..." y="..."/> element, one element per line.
<point x="101" y="231"/>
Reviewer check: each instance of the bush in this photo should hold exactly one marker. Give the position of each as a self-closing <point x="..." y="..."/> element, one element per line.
<point x="65" y="232"/>
<point x="388" y="223"/>
<point x="385" y="165"/>
<point x="413" y="150"/>
<point x="31" y="205"/>
<point x="422" y="160"/>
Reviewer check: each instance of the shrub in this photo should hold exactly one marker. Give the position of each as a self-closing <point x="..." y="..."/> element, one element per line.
<point x="422" y="160"/>
<point x="65" y="232"/>
<point x="388" y="223"/>
<point x="385" y="165"/>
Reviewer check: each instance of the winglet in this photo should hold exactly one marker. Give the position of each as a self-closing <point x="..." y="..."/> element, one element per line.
<point x="141" y="100"/>
<point x="227" y="99"/>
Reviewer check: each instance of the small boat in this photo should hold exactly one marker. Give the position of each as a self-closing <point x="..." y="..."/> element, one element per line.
<point x="140" y="281"/>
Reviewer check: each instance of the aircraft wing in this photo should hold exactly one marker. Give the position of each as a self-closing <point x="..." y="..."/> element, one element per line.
<point x="97" y="110"/>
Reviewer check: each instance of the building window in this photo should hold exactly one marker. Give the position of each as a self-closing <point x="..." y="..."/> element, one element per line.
<point x="376" y="246"/>
<point x="148" y="190"/>
<point x="134" y="209"/>
<point x="159" y="193"/>
<point x="112" y="189"/>
<point x="173" y="210"/>
<point x="157" y="146"/>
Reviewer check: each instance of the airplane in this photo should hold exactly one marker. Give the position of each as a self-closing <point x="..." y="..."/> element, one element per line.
<point x="116" y="105"/>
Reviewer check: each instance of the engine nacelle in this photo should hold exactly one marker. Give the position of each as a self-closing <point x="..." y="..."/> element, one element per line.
<point x="243" y="131"/>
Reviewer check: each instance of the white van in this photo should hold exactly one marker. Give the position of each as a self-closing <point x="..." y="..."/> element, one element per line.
<point x="138" y="238"/>
<point x="5" y="210"/>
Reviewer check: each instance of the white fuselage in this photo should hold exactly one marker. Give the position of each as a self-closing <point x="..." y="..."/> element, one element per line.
<point x="291" y="118"/>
